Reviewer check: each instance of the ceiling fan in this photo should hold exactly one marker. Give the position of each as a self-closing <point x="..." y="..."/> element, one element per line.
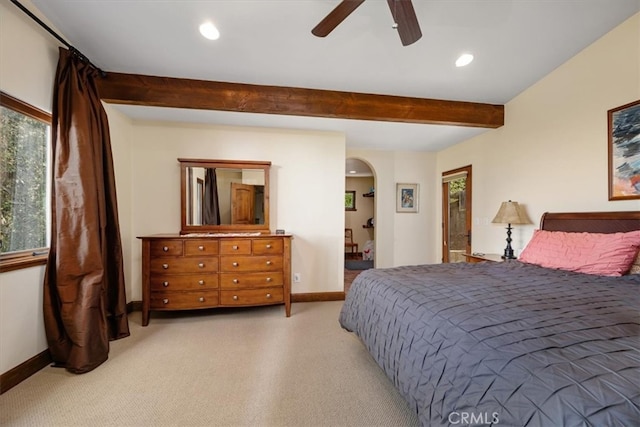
<point x="404" y="18"/>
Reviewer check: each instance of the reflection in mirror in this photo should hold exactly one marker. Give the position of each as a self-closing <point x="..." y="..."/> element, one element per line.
<point x="223" y="195"/>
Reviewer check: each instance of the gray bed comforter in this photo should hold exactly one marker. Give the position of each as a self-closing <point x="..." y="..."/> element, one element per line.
<point x="505" y="344"/>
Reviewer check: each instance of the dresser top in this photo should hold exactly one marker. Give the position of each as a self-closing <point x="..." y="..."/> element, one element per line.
<point x="254" y="235"/>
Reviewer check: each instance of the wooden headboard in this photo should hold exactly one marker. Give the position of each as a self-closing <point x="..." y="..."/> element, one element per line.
<point x="591" y="222"/>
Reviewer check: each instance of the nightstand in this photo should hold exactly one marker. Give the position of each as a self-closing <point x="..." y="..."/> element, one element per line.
<point x="480" y="257"/>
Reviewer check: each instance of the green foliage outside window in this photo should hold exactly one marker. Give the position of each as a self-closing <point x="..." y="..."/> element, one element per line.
<point x="458" y="185"/>
<point x="24" y="147"/>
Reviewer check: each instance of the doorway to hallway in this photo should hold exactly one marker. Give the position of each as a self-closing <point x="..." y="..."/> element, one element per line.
<point x="456" y="214"/>
<point x="359" y="216"/>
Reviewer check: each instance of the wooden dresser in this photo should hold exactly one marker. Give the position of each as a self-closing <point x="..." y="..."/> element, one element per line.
<point x="182" y="272"/>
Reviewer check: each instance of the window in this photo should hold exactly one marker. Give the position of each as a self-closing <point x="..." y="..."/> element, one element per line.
<point x="24" y="184"/>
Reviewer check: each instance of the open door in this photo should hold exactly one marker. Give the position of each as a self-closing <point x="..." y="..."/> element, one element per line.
<point x="242" y="203"/>
<point x="456" y="214"/>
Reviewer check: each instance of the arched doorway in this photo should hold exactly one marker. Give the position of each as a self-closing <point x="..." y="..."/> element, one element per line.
<point x="359" y="217"/>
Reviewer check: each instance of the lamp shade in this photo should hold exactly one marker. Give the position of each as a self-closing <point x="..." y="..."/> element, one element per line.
<point x="511" y="213"/>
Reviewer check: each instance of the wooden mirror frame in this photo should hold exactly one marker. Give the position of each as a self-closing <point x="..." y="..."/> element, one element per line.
<point x="186" y="228"/>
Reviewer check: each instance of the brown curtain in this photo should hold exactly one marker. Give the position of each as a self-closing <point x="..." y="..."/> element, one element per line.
<point x="84" y="291"/>
<point x="211" y="203"/>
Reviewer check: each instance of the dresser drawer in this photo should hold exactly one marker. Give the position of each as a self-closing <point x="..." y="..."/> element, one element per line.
<point x="184" y="265"/>
<point x="251" y="263"/>
<point x="252" y="296"/>
<point x="200" y="247"/>
<point x="185" y="282"/>
<point x="160" y="248"/>
<point x="237" y="247"/>
<point x="183" y="300"/>
<point x="250" y="280"/>
<point x="267" y="246"/>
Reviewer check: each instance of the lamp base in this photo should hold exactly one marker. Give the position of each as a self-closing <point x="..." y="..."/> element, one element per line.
<point x="508" y="251"/>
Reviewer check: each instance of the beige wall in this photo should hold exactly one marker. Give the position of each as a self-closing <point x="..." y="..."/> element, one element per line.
<point x="306" y="187"/>
<point x="120" y="129"/>
<point x="28" y="58"/>
<point x="402" y="238"/>
<point x="551" y="154"/>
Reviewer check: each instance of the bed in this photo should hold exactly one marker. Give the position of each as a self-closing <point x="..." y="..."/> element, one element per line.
<point x="511" y="343"/>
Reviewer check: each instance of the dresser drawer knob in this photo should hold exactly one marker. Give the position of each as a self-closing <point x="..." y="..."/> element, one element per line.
<point x="165" y="301"/>
<point x="235" y="297"/>
<point x="165" y="284"/>
<point x="268" y="296"/>
<point x="201" y="265"/>
<point x="235" y="264"/>
<point x="165" y="266"/>
<point x="165" y="248"/>
<point x="269" y="262"/>
<point x="268" y="279"/>
<point x="201" y="299"/>
<point x="200" y="282"/>
<point x="235" y="281"/>
<point x="235" y="247"/>
<point x="268" y="246"/>
<point x="201" y="248"/>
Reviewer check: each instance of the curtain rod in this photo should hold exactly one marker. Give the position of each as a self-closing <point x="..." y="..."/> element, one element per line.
<point x="73" y="50"/>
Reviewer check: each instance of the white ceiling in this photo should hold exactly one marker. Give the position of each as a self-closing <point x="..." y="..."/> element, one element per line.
<point x="515" y="43"/>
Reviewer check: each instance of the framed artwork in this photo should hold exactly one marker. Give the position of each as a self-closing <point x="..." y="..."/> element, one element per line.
<point x="349" y="200"/>
<point x="407" y="198"/>
<point x="624" y="152"/>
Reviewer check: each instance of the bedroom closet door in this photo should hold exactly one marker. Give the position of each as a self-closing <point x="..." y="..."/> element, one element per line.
<point x="456" y="214"/>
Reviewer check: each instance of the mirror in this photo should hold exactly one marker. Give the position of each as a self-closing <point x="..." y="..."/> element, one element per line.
<point x="224" y="196"/>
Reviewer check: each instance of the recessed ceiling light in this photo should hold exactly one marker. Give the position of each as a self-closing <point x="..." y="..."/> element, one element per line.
<point x="353" y="171"/>
<point x="464" y="59"/>
<point x="209" y="31"/>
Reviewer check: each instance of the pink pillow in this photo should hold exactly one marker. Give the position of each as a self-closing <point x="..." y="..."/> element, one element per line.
<point x="591" y="253"/>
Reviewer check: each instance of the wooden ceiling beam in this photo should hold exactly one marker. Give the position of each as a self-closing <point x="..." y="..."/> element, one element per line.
<point x="134" y="89"/>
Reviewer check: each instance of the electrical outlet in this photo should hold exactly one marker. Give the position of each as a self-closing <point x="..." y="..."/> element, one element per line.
<point x="296" y="278"/>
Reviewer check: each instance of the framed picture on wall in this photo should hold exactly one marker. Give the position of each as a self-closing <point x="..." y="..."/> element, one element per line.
<point x="407" y="198"/>
<point x="624" y="152"/>
<point x="349" y="200"/>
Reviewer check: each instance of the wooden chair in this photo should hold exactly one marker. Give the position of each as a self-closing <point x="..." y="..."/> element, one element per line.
<point x="348" y="241"/>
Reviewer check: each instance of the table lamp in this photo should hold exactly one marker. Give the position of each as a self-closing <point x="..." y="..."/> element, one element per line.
<point x="510" y="213"/>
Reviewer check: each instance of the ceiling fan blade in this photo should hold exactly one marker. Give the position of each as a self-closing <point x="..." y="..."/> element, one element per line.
<point x="335" y="17"/>
<point x="405" y="16"/>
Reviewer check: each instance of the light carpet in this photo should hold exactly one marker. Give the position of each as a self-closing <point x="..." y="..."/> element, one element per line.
<point x="236" y="367"/>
